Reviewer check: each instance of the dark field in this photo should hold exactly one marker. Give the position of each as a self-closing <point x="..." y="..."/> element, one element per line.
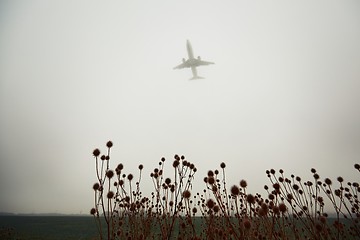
<point x="63" y="227"/>
<point x="49" y="227"/>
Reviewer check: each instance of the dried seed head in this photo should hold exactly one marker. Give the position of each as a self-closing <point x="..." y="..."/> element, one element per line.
<point x="276" y="210"/>
<point x="290" y="197"/>
<point x="176" y="163"/>
<point x="276" y="186"/>
<point x="235" y="190"/>
<point x="121" y="182"/>
<point x="186" y="194"/>
<point x="222" y="165"/>
<point x="110" y="174"/>
<point x="216" y="209"/>
<point x="328" y="181"/>
<point x="271" y="196"/>
<point x="261" y="212"/>
<point x="109" y="144"/>
<point x="93" y="211"/>
<point x="96" y="152"/>
<point x="130" y="177"/>
<point x="211" y="180"/>
<point x="264" y="206"/>
<point x="167" y="181"/>
<point x="110" y="194"/>
<point x="96" y="186"/>
<point x="337" y="192"/>
<point x="120" y="166"/>
<point x="250" y="199"/>
<point x="282" y="207"/>
<point x="210" y="203"/>
<point x="243" y="183"/>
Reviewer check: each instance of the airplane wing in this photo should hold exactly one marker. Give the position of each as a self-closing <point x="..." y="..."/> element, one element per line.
<point x="183" y="65"/>
<point x="200" y="62"/>
<point x="193" y="63"/>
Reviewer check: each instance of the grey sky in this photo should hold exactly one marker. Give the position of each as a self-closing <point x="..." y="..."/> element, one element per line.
<point x="283" y="93"/>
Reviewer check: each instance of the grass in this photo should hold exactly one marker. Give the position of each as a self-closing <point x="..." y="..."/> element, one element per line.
<point x="292" y="209"/>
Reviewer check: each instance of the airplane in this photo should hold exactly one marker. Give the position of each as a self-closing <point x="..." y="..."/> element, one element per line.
<point x="192" y="62"/>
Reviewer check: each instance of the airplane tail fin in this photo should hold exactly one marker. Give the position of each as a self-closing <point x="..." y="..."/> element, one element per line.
<point x="196" y="77"/>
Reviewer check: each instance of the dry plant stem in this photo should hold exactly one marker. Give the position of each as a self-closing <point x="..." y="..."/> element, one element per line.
<point x="175" y="206"/>
<point x="97" y="220"/>
<point x="109" y="214"/>
<point x="225" y="192"/>
<point x="96" y="217"/>
<point x="97" y="168"/>
<point x="230" y="216"/>
<point x="223" y="210"/>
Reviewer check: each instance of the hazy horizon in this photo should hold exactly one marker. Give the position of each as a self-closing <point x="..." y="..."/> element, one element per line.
<point x="283" y="93"/>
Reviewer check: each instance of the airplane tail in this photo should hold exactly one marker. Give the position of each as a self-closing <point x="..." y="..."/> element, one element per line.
<point x="196" y="77"/>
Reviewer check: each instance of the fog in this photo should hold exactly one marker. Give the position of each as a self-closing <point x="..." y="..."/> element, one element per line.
<point x="283" y="92"/>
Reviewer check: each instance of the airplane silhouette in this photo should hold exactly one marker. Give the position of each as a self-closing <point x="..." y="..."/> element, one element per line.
<point x="192" y="62"/>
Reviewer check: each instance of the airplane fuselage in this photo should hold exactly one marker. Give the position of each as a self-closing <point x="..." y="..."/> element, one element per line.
<point x="189" y="50"/>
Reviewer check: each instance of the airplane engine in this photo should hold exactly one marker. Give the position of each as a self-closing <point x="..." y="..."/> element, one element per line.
<point x="199" y="58"/>
<point x="183" y="60"/>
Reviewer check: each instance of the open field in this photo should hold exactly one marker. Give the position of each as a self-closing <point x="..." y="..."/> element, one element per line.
<point x="47" y="228"/>
<point x="70" y="227"/>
